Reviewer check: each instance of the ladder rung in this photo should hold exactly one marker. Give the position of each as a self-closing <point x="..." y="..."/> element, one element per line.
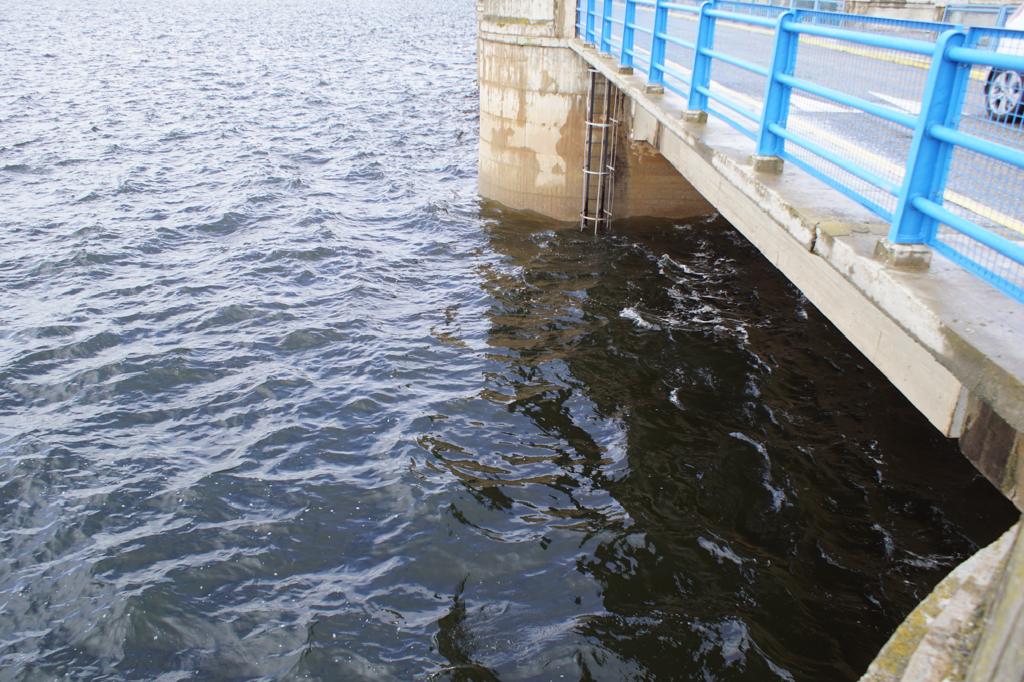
<point x="604" y="112"/>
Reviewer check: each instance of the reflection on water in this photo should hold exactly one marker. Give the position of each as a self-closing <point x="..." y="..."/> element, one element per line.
<point x="280" y="400"/>
<point x="757" y="502"/>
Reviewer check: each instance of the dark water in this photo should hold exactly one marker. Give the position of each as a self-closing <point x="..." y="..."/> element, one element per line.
<point x="280" y="399"/>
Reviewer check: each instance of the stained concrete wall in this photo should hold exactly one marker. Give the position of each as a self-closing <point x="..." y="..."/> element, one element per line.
<point x="995" y="448"/>
<point x="914" y="10"/>
<point x="532" y="107"/>
<point x="533" y="98"/>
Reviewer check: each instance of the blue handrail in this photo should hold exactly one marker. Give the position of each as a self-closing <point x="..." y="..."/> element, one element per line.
<point x="920" y="203"/>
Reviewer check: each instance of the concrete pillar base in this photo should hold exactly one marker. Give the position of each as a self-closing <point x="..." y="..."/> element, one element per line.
<point x="695" y="116"/>
<point x="533" y="102"/>
<point x="626" y="70"/>
<point x="654" y="90"/>
<point x="766" y="164"/>
<point x="903" y="256"/>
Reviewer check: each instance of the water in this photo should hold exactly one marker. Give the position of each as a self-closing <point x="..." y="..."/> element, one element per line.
<point x="280" y="398"/>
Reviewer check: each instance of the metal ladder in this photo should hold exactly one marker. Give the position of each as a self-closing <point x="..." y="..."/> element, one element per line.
<point x="604" y="104"/>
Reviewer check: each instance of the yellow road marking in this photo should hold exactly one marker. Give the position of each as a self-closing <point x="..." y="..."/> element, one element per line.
<point x="997" y="217"/>
<point x="915" y="61"/>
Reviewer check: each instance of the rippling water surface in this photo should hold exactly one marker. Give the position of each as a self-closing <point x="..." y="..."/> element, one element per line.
<point x="280" y="398"/>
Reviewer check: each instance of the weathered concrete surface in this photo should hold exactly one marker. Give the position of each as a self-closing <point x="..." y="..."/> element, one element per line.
<point x="946" y="339"/>
<point x="533" y="97"/>
<point x="995" y="447"/>
<point x="532" y="107"/>
<point x="1000" y="651"/>
<point x="970" y="627"/>
<point x="915" y="10"/>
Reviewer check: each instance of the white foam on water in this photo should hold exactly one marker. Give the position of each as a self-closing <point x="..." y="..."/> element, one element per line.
<point x="631" y="314"/>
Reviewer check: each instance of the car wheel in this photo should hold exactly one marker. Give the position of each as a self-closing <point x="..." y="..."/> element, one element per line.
<point x="1004" y="93"/>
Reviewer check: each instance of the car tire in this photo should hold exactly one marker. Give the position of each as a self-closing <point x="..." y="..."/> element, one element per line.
<point x="1004" y="95"/>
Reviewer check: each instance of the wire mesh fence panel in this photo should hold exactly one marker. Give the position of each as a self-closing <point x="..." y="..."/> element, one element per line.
<point x="916" y="30"/>
<point x="888" y="78"/>
<point x="843" y="132"/>
<point x="754" y="9"/>
<point x="643" y="35"/>
<point x="820" y="5"/>
<point x="738" y="74"/>
<point x="612" y="25"/>
<point x="979" y="188"/>
<point x="681" y="25"/>
<point x="741" y="93"/>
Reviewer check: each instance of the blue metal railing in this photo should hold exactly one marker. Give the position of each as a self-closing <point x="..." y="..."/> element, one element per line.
<point x="914" y="193"/>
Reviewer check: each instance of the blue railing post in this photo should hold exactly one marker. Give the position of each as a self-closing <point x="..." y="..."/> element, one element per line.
<point x="928" y="165"/>
<point x="1004" y="13"/>
<point x="606" y="27"/>
<point x="628" y="20"/>
<point x="590" y="22"/>
<point x="776" y="99"/>
<point x="656" y="73"/>
<point x="700" y="76"/>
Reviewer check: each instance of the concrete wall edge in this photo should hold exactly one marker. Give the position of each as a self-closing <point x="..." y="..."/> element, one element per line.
<point x="524" y="41"/>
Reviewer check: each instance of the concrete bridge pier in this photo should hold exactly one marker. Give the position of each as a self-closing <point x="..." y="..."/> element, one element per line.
<point x="533" y="100"/>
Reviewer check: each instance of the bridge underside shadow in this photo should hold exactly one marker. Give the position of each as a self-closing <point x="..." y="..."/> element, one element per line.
<point x="955" y="356"/>
<point x="943" y="337"/>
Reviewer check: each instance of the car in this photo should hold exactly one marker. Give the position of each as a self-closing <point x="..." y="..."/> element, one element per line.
<point x="1004" y="90"/>
<point x="1004" y="95"/>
